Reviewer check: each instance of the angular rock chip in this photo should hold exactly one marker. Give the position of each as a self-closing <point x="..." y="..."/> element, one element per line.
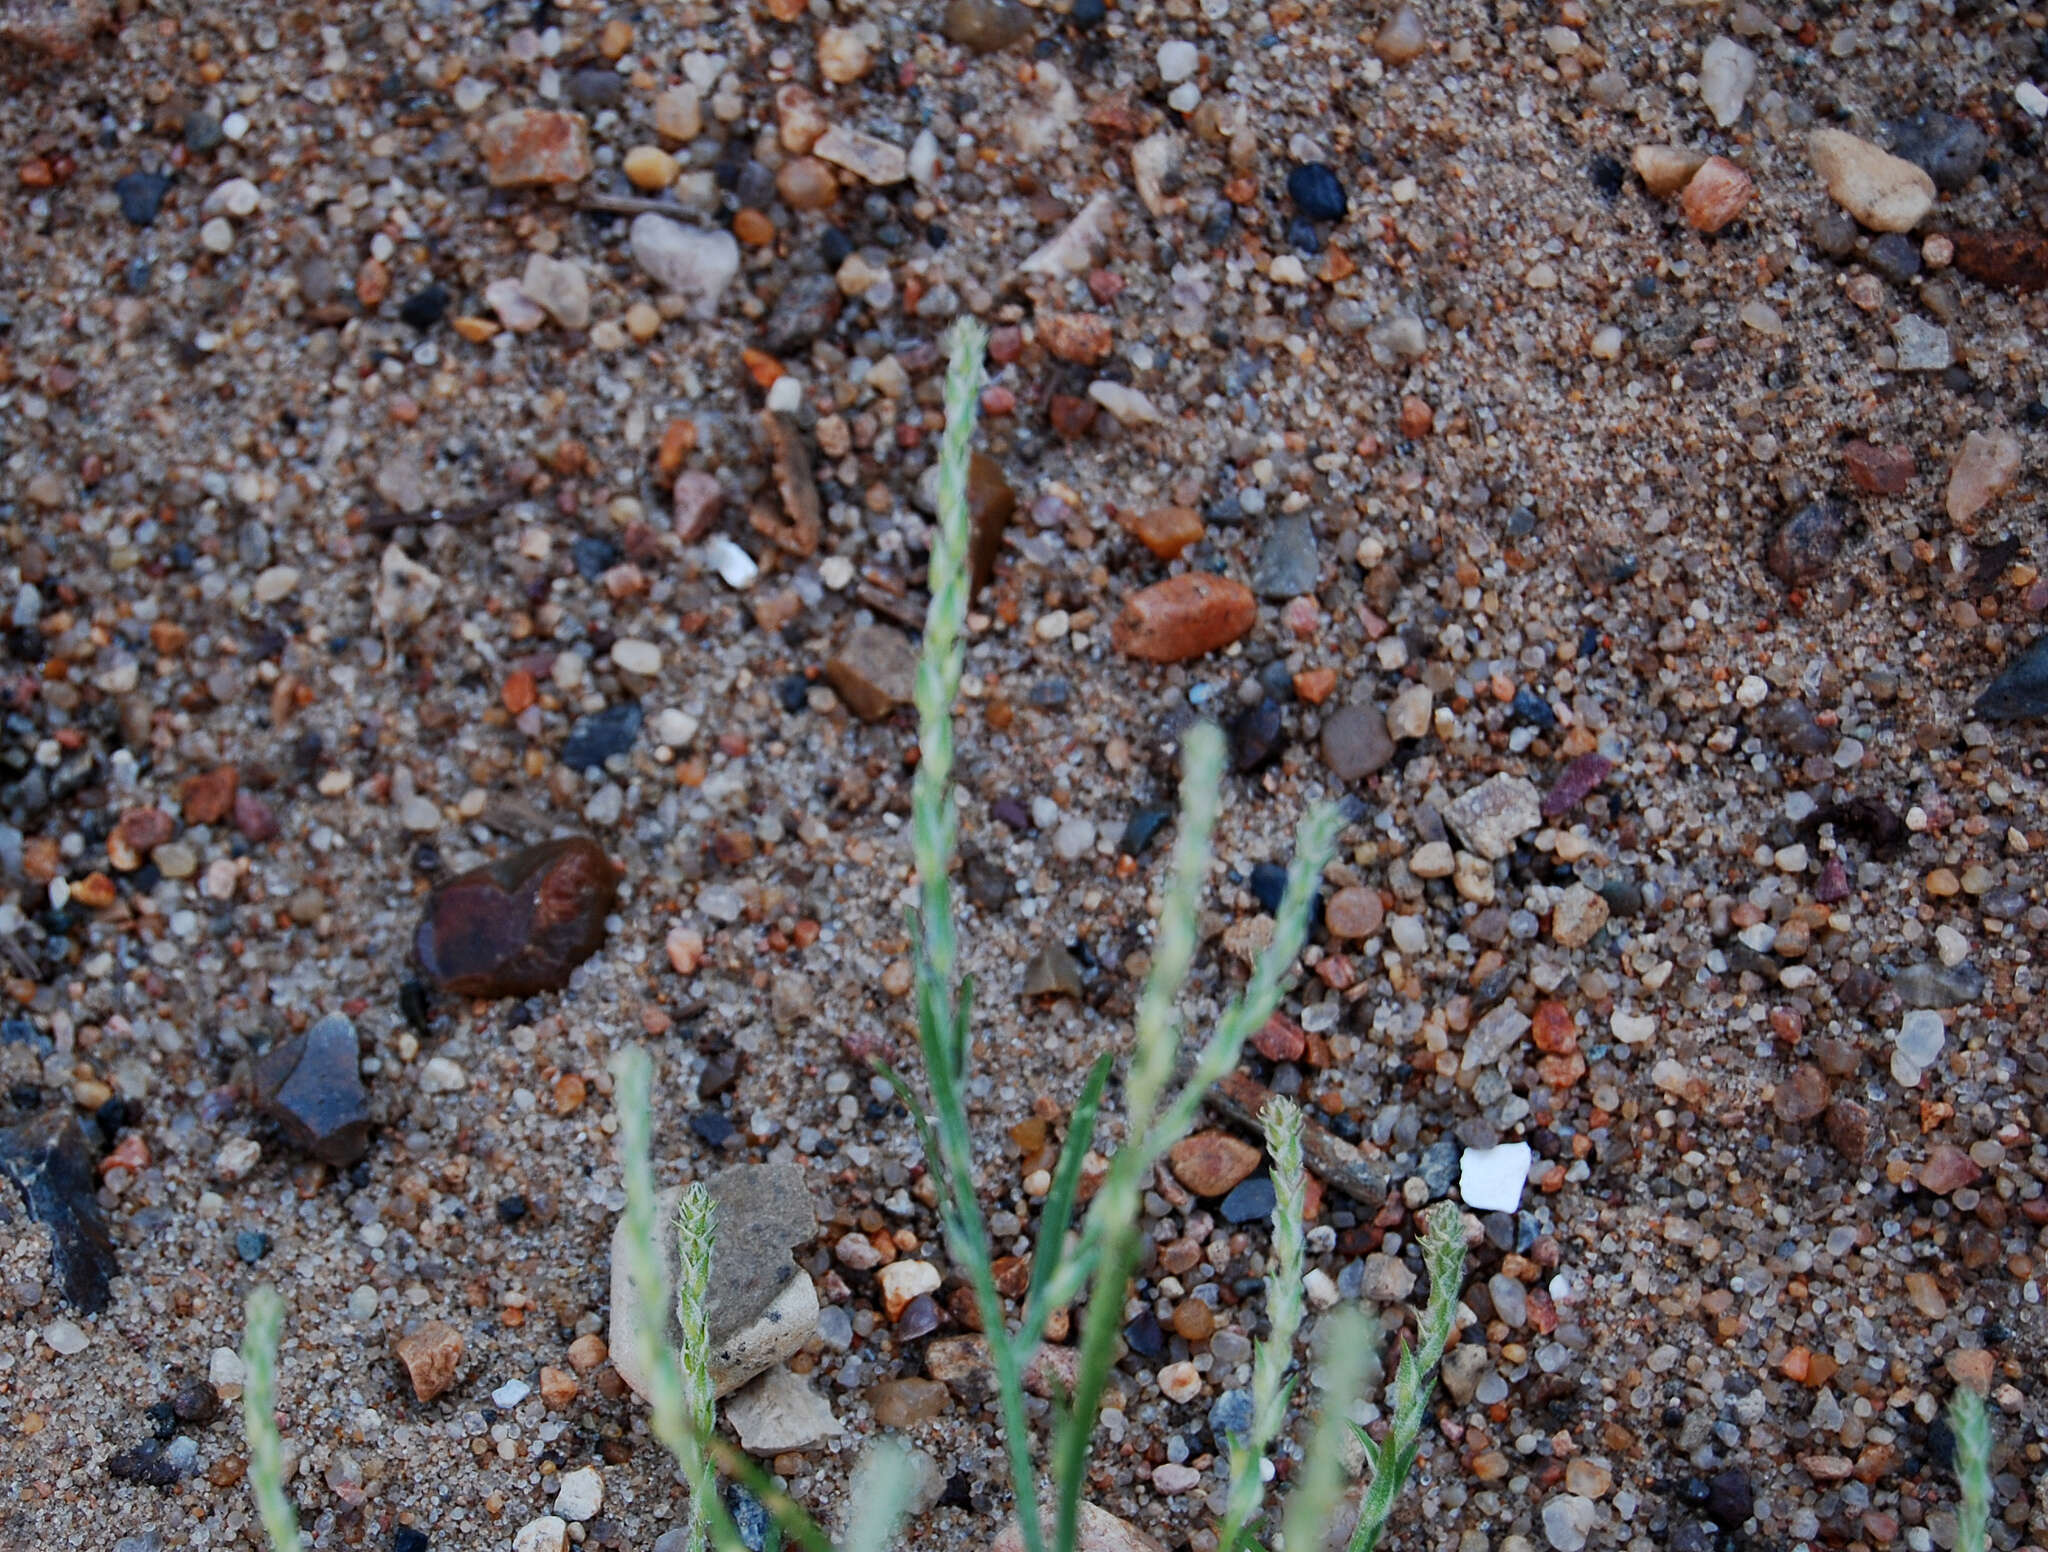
<point x="2020" y="692"/>
<point x="432" y="1353"/>
<point x="875" y="672"/>
<point x="312" y="1086"/>
<point x="1492" y="816"/>
<point x="518" y="926"/>
<point x="49" y="1158"/>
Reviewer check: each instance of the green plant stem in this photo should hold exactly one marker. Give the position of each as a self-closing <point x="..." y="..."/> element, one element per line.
<point x="1282" y="1122"/>
<point x="1971" y="1424"/>
<point x="1118" y="1199"/>
<point x="1443" y="1252"/>
<point x="264" y="1325"/>
<point x="1316" y="1487"/>
<point x="670" y="1412"/>
<point x="695" y="1228"/>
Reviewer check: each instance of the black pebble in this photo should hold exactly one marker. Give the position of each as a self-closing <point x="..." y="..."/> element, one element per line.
<point x="1532" y="708"/>
<point x="252" y="1245"/>
<point x="1251" y="1200"/>
<point x="712" y="1127"/>
<point x="406" y="1539"/>
<point x="1010" y="812"/>
<point x="1607" y="174"/>
<point x="425" y="308"/>
<point x="794" y="691"/>
<point x="1730" y="1498"/>
<point x="141" y="195"/>
<point x="594" y="556"/>
<point x="163" y="1421"/>
<point x="1146" y="1338"/>
<point x="1088" y="13"/>
<point x="1303" y="237"/>
<point x="1317" y="193"/>
<point x="203" y="132"/>
<point x="834" y="246"/>
<point x="511" y="1208"/>
<point x="1256" y="735"/>
<point x="1142" y="828"/>
<point x="1269" y="885"/>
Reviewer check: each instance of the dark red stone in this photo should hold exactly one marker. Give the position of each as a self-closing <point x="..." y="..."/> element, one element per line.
<point x="1880" y="471"/>
<point x="2011" y="261"/>
<point x="519" y="925"/>
<point x="253" y="817"/>
<point x="1576" y="784"/>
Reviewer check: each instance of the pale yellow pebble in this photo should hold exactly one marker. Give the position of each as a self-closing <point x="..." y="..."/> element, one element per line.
<point x="650" y="167"/>
<point x="643" y="321"/>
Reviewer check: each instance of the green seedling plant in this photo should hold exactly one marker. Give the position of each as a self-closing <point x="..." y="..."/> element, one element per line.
<point x="263" y="1324"/>
<point x="1971" y="1425"/>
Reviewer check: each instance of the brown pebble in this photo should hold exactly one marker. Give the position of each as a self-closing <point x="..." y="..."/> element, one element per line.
<point x="753" y="228"/>
<point x="1083" y="338"/>
<point x="518" y="926"/>
<point x="805" y="183"/>
<point x="1184" y="617"/>
<point x="587" y="1352"/>
<point x="2011" y="260"/>
<point x="532" y="146"/>
<point x="906" y="1402"/>
<point x="1353" y="912"/>
<point x="1715" y="195"/>
<point x="1848" y="1127"/>
<point x="1417" y="418"/>
<point x="1165" y="531"/>
<point x="558" y="1388"/>
<point x="431" y="1355"/>
<point x="990" y="505"/>
<point x="1802" y="1096"/>
<point x="874" y="672"/>
<point x="1880" y="471"/>
<point x="1194" y="1320"/>
<point x="209" y="798"/>
<point x="1211" y="1163"/>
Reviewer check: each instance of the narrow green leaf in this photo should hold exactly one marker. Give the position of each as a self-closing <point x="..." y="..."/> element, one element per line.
<point x="1056" y="1216"/>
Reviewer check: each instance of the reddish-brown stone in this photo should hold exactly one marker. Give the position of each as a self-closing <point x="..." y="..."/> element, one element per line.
<point x="1880" y="471"/>
<point x="519" y="925"/>
<point x="1552" y="1030"/>
<point x="1354" y="912"/>
<point x="1071" y="416"/>
<point x="1802" y="1096"/>
<point x="990" y="505"/>
<point x="2011" y="261"/>
<point x="1165" y="531"/>
<point x="1948" y="1169"/>
<point x="209" y="798"/>
<point x="253" y="817"/>
<point x="145" y="829"/>
<point x="1848" y="1127"/>
<point x="1211" y="1163"/>
<point x="1183" y="617"/>
<point x="1715" y="195"/>
<point x="1084" y="338"/>
<point x="533" y="146"/>
<point x="1281" y="1039"/>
